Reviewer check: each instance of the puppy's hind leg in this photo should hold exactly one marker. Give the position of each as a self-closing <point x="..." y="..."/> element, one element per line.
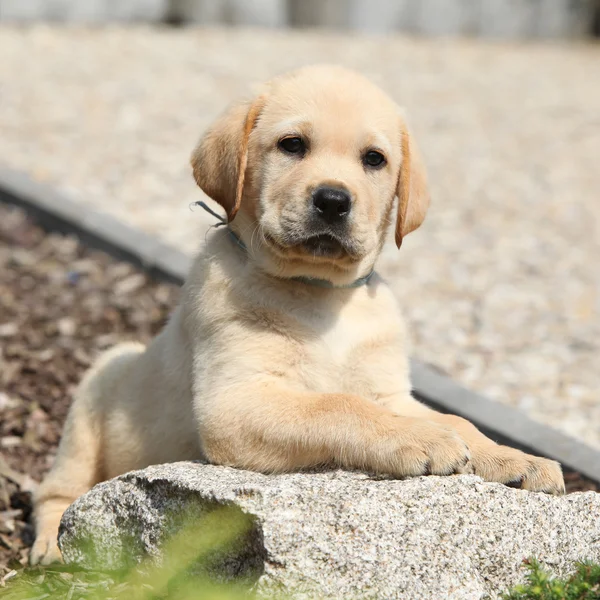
<point x="75" y="471"/>
<point x="79" y="461"/>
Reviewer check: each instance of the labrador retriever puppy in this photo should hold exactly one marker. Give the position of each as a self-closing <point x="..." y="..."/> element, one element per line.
<point x="287" y="351"/>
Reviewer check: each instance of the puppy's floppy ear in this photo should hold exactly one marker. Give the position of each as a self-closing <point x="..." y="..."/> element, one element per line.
<point x="220" y="159"/>
<point x="412" y="190"/>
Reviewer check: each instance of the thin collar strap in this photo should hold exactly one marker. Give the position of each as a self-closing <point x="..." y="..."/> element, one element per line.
<point x="323" y="283"/>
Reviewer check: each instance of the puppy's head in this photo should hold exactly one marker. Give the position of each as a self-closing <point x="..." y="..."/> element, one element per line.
<point x="308" y="172"/>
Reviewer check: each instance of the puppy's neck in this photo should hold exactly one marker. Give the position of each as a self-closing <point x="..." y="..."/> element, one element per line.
<point x="314" y="281"/>
<point x="301" y="279"/>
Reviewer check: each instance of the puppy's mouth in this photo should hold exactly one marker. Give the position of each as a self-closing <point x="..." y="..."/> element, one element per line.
<point x="325" y="245"/>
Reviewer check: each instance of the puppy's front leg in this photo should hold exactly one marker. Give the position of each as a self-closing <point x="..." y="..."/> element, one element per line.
<point x="494" y="462"/>
<point x="490" y="460"/>
<point x="271" y="428"/>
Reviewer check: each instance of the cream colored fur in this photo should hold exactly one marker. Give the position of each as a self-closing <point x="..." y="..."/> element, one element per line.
<point x="259" y="371"/>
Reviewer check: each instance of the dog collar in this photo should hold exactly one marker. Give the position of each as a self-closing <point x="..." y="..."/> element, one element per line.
<point x="323" y="283"/>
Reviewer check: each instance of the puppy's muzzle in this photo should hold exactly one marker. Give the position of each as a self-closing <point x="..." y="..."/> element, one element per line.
<point x="331" y="204"/>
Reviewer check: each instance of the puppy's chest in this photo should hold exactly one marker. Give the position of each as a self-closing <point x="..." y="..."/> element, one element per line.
<point x="339" y="342"/>
<point x="354" y="354"/>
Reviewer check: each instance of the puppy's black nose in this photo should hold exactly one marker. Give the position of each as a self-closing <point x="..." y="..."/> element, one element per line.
<point x="331" y="204"/>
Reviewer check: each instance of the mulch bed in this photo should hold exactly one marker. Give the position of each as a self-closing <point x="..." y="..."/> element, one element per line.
<point x="60" y="305"/>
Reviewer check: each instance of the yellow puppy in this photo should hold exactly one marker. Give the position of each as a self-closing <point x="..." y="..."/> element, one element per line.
<point x="287" y="351"/>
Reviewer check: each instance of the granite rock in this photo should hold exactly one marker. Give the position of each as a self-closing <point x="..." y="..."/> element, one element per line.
<point x="338" y="534"/>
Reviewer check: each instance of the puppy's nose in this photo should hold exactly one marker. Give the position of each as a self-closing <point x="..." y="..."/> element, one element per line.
<point x="331" y="204"/>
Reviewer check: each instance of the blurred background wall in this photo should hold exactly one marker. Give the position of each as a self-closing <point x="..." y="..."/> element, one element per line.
<point x="506" y="19"/>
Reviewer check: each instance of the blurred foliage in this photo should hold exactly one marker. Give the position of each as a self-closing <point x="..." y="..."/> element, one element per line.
<point x="190" y="569"/>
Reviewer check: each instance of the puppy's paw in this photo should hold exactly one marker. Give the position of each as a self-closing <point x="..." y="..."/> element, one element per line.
<point x="427" y="448"/>
<point x="45" y="550"/>
<point x="517" y="469"/>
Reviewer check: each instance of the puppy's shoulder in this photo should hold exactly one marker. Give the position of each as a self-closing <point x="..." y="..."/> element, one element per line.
<point x="215" y="267"/>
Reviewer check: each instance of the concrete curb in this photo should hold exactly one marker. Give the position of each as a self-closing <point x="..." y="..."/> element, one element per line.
<point x="53" y="211"/>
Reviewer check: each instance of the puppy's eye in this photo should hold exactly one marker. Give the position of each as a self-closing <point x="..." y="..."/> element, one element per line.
<point x="292" y="145"/>
<point x="374" y="159"/>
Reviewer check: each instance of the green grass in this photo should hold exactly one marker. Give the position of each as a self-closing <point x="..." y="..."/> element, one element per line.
<point x="192" y="570"/>
<point x="583" y="584"/>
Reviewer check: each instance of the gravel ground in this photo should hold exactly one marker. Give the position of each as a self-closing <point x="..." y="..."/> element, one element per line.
<point x="501" y="285"/>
